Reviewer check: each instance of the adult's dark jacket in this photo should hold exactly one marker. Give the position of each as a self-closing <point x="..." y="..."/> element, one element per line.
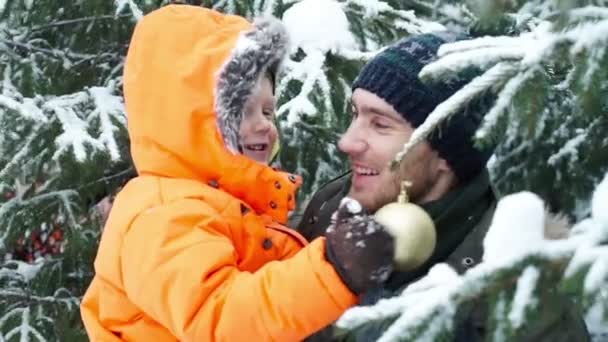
<point x="462" y="218"/>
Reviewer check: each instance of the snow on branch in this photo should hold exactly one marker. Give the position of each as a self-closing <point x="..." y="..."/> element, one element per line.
<point x="482" y="57"/>
<point x="587" y="36"/>
<point x="588" y="12"/>
<point x="108" y="107"/>
<point x="496" y="75"/>
<point x="321" y="27"/>
<point x="121" y="4"/>
<point x="23" y="270"/>
<point x="75" y="134"/>
<point x="433" y="307"/>
<point x="503" y="101"/>
<point x="10" y="98"/>
<point x="27" y="108"/>
<point x="410" y="23"/>
<point x="22" y="154"/>
<point x="24" y="329"/>
<point x="479" y="43"/>
<point x="56" y="299"/>
<point x="524" y="295"/>
<point x="570" y="148"/>
<point x="524" y="54"/>
<point x="406" y="20"/>
<point x="70" y="111"/>
<point x="310" y="71"/>
<point x="63" y="196"/>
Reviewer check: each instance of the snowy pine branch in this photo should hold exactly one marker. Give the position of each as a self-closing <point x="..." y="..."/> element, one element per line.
<point x="526" y="54"/>
<point x="480" y="84"/>
<point x="71" y="112"/>
<point x="429" y="304"/>
<point x="504" y="100"/>
<point x="25" y="329"/>
<point x="133" y="8"/>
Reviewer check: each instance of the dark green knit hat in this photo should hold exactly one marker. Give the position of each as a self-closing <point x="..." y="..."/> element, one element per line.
<point x="393" y="76"/>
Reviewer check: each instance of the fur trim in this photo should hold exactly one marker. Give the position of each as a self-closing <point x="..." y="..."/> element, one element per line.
<point x="258" y="50"/>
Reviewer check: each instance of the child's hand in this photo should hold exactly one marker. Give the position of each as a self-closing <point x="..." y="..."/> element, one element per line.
<point x="359" y="247"/>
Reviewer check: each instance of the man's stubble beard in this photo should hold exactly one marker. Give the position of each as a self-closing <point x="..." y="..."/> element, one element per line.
<point x="389" y="193"/>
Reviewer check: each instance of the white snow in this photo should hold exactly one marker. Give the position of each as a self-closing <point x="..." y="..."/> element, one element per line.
<point x="599" y="205"/>
<point x="27" y="108"/>
<point x="121" y="4"/>
<point x="107" y="107"/>
<point x="517" y="231"/>
<point x="438" y="274"/>
<point x="414" y="25"/>
<point x="588" y="11"/>
<point x="318" y="25"/>
<point x="28" y="271"/>
<point x="371" y="8"/>
<point x="499" y="314"/>
<point x="595" y="320"/>
<point x="483" y="58"/>
<point x="24" y="329"/>
<point x="503" y="101"/>
<point x="524" y="296"/>
<point x="310" y="72"/>
<point x="25" y="270"/>
<point x="570" y="148"/>
<point x="75" y="134"/>
<point x="10" y="98"/>
<point x="588" y="36"/>
<point x="245" y="43"/>
<point x="352" y="205"/>
<point x="518" y="223"/>
<point x="415" y="303"/>
<point x="598" y="273"/>
<point x="455" y="102"/>
<point x="524" y="53"/>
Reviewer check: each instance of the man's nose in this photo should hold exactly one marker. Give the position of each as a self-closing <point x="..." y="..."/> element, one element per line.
<point x="352" y="142"/>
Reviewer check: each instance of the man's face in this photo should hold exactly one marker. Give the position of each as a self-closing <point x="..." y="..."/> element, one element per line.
<point x="376" y="133"/>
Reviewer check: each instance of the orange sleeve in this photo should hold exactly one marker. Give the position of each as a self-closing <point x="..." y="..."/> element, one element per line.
<point x="180" y="269"/>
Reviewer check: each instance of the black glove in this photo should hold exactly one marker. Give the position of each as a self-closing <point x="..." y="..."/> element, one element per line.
<point x="359" y="247"/>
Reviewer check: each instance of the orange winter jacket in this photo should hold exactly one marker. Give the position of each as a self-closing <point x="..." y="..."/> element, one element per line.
<point x="193" y="249"/>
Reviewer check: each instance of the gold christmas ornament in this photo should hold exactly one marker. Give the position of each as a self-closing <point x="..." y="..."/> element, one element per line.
<point x="411" y="227"/>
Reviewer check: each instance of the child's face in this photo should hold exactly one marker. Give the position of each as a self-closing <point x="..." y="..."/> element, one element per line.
<point x="258" y="132"/>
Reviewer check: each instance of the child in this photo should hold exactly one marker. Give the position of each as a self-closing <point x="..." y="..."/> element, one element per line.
<point x="193" y="249"/>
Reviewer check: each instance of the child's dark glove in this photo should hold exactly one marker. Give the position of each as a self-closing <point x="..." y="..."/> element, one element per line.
<point x="359" y="247"/>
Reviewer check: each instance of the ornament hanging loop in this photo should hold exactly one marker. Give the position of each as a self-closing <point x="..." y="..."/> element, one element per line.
<point x="403" y="197"/>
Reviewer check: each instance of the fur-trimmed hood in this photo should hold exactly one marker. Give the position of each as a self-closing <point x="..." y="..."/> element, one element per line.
<point x="188" y="74"/>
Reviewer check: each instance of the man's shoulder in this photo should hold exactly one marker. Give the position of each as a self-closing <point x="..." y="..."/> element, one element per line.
<point x="470" y="251"/>
<point x="317" y="215"/>
<point x="331" y="188"/>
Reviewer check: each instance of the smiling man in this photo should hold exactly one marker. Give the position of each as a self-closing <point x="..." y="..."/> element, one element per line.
<point x="448" y="175"/>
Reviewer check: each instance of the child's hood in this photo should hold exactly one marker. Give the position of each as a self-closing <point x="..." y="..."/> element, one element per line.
<point x="188" y="74"/>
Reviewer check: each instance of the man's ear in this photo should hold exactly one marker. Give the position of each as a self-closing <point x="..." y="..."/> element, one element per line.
<point x="443" y="166"/>
<point x="448" y="175"/>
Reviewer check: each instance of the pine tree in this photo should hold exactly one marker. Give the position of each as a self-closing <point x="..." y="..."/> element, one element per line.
<point x="65" y="146"/>
<point x="64" y="143"/>
<point x="547" y="63"/>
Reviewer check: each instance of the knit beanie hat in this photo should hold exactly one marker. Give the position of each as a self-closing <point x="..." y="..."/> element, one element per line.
<point x="393" y="76"/>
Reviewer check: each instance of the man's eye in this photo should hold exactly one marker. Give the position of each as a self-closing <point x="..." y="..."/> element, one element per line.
<point x="268" y="113"/>
<point x="379" y="125"/>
